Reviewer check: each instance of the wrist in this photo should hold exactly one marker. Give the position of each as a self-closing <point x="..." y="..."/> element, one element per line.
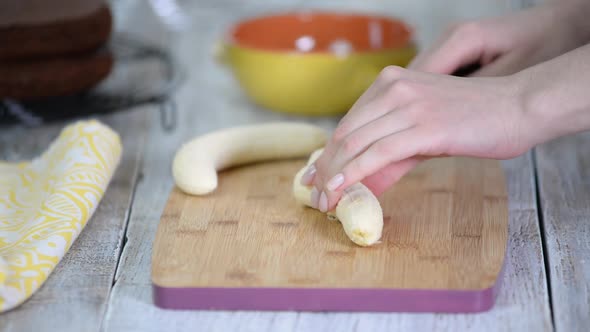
<point x="554" y="98"/>
<point x="536" y="117"/>
<point x="533" y="123"/>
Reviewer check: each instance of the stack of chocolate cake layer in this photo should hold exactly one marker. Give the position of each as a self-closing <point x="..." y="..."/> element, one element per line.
<point x="53" y="48"/>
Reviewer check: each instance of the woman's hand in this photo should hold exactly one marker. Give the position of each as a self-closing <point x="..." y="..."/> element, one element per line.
<point x="407" y="116"/>
<point x="508" y="44"/>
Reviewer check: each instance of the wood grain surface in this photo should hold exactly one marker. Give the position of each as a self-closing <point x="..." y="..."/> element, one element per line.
<point x="446" y="227"/>
<point x="564" y="192"/>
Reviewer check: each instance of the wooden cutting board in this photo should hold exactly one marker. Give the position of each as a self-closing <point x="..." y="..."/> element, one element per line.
<point x="249" y="245"/>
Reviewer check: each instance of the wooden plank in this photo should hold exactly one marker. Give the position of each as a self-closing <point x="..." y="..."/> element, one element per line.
<point x="564" y="191"/>
<point x="74" y="296"/>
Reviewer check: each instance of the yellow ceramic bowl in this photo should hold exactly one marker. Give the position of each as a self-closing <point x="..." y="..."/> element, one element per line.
<point x="313" y="63"/>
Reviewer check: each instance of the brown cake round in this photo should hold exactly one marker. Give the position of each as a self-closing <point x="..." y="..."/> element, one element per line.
<point x="29" y="32"/>
<point x="25" y="80"/>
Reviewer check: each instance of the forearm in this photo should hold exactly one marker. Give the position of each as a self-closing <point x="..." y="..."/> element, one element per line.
<point x="575" y="13"/>
<point x="556" y="95"/>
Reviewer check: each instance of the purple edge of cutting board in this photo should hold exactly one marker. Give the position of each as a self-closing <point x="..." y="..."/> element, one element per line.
<point x="328" y="299"/>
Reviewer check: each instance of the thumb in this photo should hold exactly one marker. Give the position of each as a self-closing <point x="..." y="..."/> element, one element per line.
<point x="504" y="65"/>
<point x="381" y="181"/>
<point x="458" y="48"/>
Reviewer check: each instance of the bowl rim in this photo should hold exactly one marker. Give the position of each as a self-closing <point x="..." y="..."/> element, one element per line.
<point x="229" y="40"/>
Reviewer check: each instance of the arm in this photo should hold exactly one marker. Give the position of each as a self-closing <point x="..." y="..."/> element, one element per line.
<point x="576" y="12"/>
<point x="407" y="116"/>
<point x="505" y="45"/>
<point x="557" y="95"/>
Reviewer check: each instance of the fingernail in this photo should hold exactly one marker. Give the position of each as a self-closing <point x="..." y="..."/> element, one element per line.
<point x="323" y="205"/>
<point x="314" y="198"/>
<point x="307" y="177"/>
<point x="335" y="182"/>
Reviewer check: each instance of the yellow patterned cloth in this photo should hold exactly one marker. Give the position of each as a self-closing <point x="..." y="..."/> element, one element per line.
<point x="45" y="204"/>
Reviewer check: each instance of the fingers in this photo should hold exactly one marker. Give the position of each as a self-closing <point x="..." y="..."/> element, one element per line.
<point x="392" y="88"/>
<point x="346" y="149"/>
<point x="387" y="90"/>
<point x="381" y="181"/>
<point x="383" y="152"/>
<point x="390" y="149"/>
<point x="341" y="151"/>
<point x="309" y="175"/>
<point x="461" y="46"/>
<point x="507" y="64"/>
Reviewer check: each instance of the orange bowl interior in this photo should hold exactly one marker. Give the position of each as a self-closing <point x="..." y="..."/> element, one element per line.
<point x="364" y="33"/>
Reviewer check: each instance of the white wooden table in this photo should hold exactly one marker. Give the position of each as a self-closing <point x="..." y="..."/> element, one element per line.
<point x="103" y="283"/>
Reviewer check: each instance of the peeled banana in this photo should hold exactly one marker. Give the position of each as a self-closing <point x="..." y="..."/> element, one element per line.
<point x="358" y="210"/>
